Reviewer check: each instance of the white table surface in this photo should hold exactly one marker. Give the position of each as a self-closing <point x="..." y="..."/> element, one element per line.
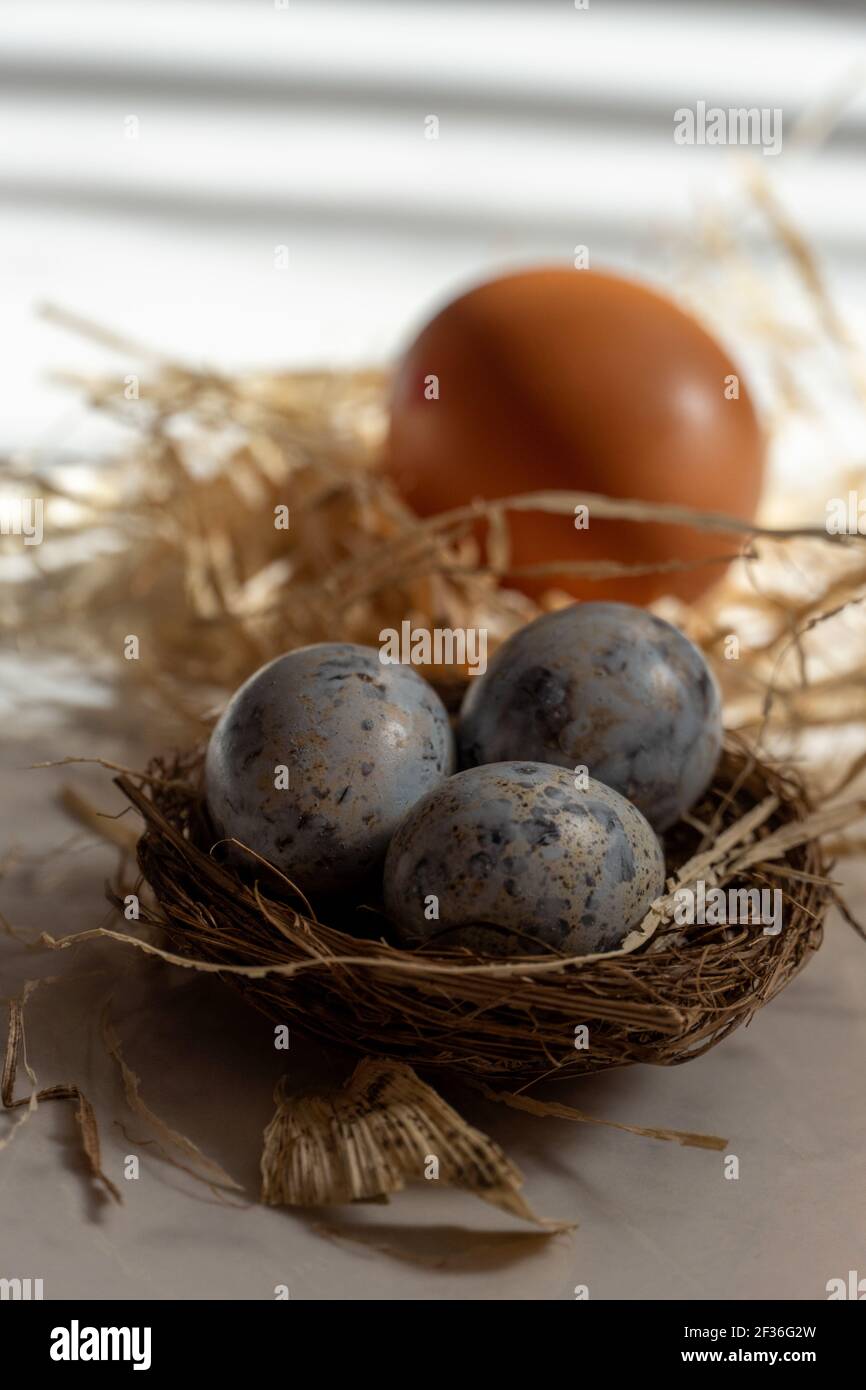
<point x="655" y="1220"/>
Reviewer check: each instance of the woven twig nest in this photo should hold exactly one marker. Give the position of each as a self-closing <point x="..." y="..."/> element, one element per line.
<point x="674" y="996"/>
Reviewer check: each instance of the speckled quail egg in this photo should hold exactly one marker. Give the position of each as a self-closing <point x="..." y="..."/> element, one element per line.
<point x="317" y="758"/>
<point x="608" y="687"/>
<point x="514" y="858"/>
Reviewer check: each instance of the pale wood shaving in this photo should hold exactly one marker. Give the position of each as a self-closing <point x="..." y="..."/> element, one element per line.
<point x="376" y="1135"/>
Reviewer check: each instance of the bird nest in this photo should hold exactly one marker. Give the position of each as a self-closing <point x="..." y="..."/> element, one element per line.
<point x="669" y="995"/>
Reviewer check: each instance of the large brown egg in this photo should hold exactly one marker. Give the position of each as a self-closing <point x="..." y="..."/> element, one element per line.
<point x="571" y="379"/>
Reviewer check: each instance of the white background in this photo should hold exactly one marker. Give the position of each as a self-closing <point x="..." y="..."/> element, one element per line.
<point x="261" y="126"/>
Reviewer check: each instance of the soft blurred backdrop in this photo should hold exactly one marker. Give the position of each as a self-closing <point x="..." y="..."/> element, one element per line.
<point x="153" y="156"/>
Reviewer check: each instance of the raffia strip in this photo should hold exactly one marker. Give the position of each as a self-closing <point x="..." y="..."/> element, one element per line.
<point x="85" y="1116"/>
<point x="213" y="1174"/>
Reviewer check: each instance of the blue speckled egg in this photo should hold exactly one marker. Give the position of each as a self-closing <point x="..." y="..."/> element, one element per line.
<point x="358" y="743"/>
<point x="609" y="687"/>
<point x="513" y="858"/>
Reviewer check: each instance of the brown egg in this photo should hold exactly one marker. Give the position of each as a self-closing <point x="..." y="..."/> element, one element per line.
<point x="571" y="379"/>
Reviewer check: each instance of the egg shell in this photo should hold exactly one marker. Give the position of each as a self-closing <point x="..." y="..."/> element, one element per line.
<point x="609" y="687"/>
<point x="362" y="742"/>
<point x="581" y="381"/>
<point x="521" y="861"/>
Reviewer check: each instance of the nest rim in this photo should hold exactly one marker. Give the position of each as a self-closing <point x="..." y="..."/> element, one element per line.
<point x="667" y="1002"/>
